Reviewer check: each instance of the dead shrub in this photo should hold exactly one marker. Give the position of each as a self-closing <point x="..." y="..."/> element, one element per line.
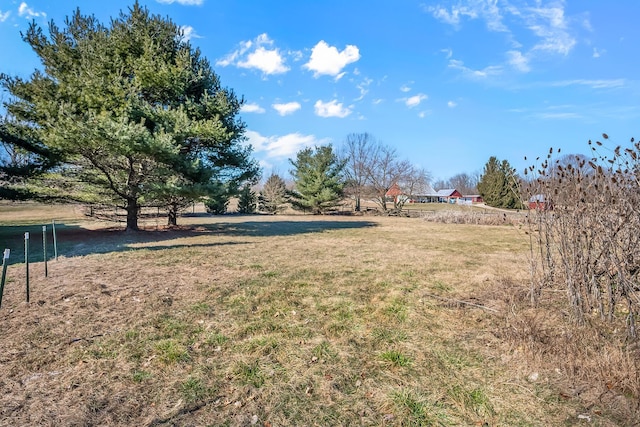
<point x="594" y="361"/>
<point x="474" y="217"/>
<point x="585" y="231"/>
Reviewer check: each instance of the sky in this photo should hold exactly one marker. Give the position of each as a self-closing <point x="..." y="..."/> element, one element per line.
<point x="447" y="83"/>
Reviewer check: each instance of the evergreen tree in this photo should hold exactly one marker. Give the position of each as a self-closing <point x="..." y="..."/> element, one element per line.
<point x="24" y="157"/>
<point x="247" y="200"/>
<point x="217" y="202"/>
<point x="273" y="197"/>
<point x="318" y="180"/>
<point x="498" y="185"/>
<point x="131" y="111"/>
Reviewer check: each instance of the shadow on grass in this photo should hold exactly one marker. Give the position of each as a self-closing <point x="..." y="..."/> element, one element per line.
<point x="283" y="228"/>
<point x="73" y="240"/>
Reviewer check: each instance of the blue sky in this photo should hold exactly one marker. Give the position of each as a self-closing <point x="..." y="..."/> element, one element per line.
<point x="447" y="83"/>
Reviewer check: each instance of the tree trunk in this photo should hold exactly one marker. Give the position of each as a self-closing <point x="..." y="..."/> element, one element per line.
<point x="132" y="215"/>
<point x="357" y="209"/>
<point x="172" y="215"/>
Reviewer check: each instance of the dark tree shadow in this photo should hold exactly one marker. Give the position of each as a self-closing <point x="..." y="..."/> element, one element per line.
<point x="73" y="240"/>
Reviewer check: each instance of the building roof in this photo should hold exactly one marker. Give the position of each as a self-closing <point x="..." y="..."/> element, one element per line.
<point x="395" y="190"/>
<point x="425" y="190"/>
<point x="446" y="192"/>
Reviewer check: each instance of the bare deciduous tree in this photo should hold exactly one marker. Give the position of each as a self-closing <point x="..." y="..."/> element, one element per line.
<point x="464" y="183"/>
<point x="373" y="168"/>
<point x="413" y="183"/>
<point x="359" y="151"/>
<point x="384" y="171"/>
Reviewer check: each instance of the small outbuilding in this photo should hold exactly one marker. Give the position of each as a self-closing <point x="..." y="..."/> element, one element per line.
<point x="449" y="195"/>
<point x="539" y="202"/>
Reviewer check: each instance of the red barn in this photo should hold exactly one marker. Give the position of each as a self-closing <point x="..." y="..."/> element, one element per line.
<point x="539" y="202"/>
<point x="449" y="195"/>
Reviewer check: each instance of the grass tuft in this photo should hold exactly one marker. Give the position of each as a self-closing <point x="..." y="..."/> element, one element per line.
<point x="396" y="358"/>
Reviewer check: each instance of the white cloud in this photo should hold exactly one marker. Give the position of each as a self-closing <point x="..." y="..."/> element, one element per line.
<point x="597" y="53"/>
<point x="188" y="33"/>
<point x="363" y="87"/>
<point x="4" y="16"/>
<point x="486" y="9"/>
<point x="549" y="24"/>
<point x="452" y="104"/>
<point x="544" y="19"/>
<point x="27" y="12"/>
<point x="183" y="2"/>
<point x="252" y="108"/>
<point x="415" y="100"/>
<point x="558" y="116"/>
<point x="267" y="61"/>
<point x="253" y="54"/>
<point x="331" y="109"/>
<point x="288" y="108"/>
<point x="594" y="84"/>
<point x="448" y="52"/>
<point x="328" y="60"/>
<point x="518" y="61"/>
<point x="404" y="88"/>
<point x="492" y="70"/>
<point x="451" y="17"/>
<point x="281" y="146"/>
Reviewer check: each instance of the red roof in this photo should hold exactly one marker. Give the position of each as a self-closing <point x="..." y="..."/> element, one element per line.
<point x="394" y="191"/>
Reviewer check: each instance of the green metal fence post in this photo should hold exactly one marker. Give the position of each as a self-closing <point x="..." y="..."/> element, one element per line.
<point x="44" y="250"/>
<point x="55" y="240"/>
<point x="26" y="259"/>
<point x="5" y="262"/>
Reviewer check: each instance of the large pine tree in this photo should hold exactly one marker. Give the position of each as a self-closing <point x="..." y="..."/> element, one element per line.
<point x="498" y="185"/>
<point x="133" y="111"/>
<point x="318" y="179"/>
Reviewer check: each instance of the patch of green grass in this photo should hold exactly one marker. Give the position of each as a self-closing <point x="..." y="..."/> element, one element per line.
<point x="395" y="358"/>
<point x="264" y="345"/>
<point x="132" y="335"/>
<point x="343" y="312"/>
<point x="250" y="373"/>
<point x="202" y="308"/>
<point x="440" y="286"/>
<point x="216" y="339"/>
<point x="170" y="351"/>
<point x="415" y="410"/>
<point x="324" y="351"/>
<point x="171" y="326"/>
<point x="397" y="310"/>
<point x="473" y="400"/>
<point x="387" y="335"/>
<point x="452" y="357"/>
<point x="102" y="352"/>
<point x="193" y="389"/>
<point x="270" y="274"/>
<point x="139" y="376"/>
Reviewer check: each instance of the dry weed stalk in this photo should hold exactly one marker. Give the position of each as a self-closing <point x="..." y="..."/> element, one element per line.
<point x="586" y="230"/>
<point x="474" y="217"/>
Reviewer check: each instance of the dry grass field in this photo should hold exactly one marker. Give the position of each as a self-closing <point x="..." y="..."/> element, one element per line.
<point x="280" y="321"/>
